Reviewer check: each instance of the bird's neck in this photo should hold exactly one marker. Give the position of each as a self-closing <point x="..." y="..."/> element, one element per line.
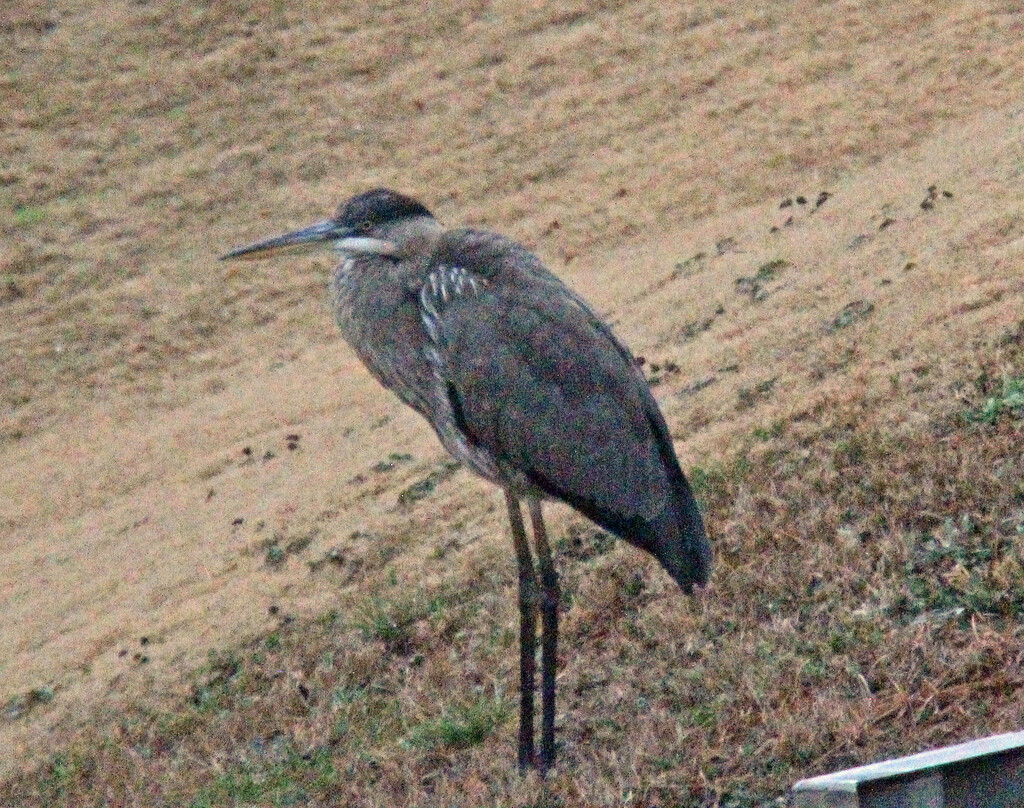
<point x="415" y="237"/>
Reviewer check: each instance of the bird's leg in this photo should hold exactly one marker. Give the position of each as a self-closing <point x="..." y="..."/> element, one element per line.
<point x="549" y="634"/>
<point x="528" y="597"/>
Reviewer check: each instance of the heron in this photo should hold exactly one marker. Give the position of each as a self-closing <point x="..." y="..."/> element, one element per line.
<point x="524" y="384"/>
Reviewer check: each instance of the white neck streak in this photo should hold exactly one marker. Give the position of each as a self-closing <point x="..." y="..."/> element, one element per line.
<point x="364" y="245"/>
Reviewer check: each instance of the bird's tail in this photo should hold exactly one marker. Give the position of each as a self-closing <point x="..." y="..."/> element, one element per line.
<point x="678" y="539"/>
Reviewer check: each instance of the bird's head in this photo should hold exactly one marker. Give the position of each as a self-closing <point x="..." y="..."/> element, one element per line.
<point x="377" y="222"/>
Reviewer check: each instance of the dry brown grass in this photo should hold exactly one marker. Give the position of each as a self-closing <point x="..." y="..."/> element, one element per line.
<point x="818" y="375"/>
<point x="869" y="602"/>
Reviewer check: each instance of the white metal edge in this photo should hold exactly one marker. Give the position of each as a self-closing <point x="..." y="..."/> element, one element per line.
<point x="849" y="779"/>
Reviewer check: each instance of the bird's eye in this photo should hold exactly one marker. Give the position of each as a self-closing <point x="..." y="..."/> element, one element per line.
<point x="365" y="226"/>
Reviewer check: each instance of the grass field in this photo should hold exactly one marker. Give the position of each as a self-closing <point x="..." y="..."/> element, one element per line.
<point x="237" y="572"/>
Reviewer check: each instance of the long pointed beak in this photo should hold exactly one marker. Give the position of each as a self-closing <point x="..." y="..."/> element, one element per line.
<point x="321" y="234"/>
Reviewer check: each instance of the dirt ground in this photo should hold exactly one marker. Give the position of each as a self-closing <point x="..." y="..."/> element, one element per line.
<point x="668" y="161"/>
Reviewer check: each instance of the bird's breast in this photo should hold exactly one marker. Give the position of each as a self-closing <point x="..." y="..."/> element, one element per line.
<point x="380" y="320"/>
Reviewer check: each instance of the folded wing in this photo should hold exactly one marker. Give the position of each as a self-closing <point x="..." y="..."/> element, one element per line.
<point x="539" y="384"/>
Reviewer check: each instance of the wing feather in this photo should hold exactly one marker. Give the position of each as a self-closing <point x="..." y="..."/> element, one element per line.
<point x="538" y="384"/>
<point x="552" y="400"/>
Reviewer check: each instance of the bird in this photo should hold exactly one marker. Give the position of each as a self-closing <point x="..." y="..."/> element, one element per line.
<point x="523" y="383"/>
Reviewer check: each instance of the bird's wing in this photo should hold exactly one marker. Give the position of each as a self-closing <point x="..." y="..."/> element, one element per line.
<point x="536" y="382"/>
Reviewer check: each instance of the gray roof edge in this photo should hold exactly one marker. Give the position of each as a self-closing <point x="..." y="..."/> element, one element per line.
<point x="849" y="779"/>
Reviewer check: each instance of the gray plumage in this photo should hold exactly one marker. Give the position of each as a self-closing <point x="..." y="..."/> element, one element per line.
<point x="519" y="378"/>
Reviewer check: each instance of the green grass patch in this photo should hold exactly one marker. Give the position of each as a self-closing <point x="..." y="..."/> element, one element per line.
<point x="960" y="570"/>
<point x="460" y="728"/>
<point x="422" y="488"/>
<point x="1009" y="401"/>
<point x="770" y="270"/>
<point x="26" y="215"/>
<point x="295" y="780"/>
<point x="218" y="682"/>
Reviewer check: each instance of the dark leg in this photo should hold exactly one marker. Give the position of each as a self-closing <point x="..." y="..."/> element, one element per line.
<point x="549" y="635"/>
<point x="528" y="597"/>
